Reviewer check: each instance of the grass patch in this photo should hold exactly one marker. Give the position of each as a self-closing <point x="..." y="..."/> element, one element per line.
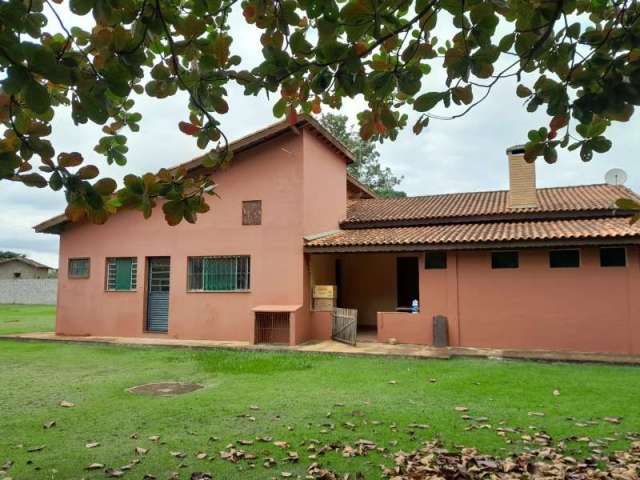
<point x="27" y="318"/>
<point x="300" y="397"/>
<point x="255" y="363"/>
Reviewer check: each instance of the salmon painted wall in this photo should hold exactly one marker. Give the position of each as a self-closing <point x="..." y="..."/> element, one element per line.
<point x="273" y="173"/>
<point x="324" y="207"/>
<point x="590" y="308"/>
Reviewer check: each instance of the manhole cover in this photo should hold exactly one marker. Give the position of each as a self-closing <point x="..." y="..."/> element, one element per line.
<point x="166" y="388"/>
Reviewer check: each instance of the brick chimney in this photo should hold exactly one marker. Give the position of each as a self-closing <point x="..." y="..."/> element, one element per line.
<point x="522" y="179"/>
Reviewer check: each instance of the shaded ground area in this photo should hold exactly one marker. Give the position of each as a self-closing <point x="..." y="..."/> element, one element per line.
<point x="27" y="318"/>
<point x="66" y="412"/>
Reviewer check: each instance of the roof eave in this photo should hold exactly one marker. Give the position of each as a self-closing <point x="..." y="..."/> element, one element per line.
<point x="518" y="244"/>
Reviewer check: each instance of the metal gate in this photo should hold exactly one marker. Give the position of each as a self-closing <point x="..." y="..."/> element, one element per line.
<point x="345" y="325"/>
<point x="158" y="294"/>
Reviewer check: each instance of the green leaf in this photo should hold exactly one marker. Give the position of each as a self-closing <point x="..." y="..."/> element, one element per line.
<point x="600" y="144"/>
<point x="55" y="181"/>
<point x="427" y="101"/>
<point x="37" y="97"/>
<point x="280" y="108"/>
<point x="627" y="204"/>
<point x="586" y="154"/>
<point x="81" y="7"/>
<point x="506" y="42"/>
<point x="523" y="91"/>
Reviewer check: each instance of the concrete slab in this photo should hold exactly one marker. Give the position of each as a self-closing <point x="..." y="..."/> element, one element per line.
<point x="333" y="347"/>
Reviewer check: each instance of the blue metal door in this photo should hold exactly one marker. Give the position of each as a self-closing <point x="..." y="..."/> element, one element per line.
<point x="159" y="273"/>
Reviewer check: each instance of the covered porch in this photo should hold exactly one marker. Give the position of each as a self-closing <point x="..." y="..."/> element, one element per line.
<point x="389" y="290"/>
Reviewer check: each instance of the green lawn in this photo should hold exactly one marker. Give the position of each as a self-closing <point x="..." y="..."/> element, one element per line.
<point x="301" y="398"/>
<point x="27" y="318"/>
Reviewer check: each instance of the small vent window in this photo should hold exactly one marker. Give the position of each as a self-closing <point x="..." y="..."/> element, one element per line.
<point x="505" y="260"/>
<point x="252" y="212"/>
<point x="435" y="260"/>
<point x="78" y="268"/>
<point x="613" y="257"/>
<point x="211" y="274"/>
<point x="564" y="258"/>
<point x="122" y="273"/>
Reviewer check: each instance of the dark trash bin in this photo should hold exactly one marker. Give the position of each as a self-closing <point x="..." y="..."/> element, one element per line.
<point x="440" y="331"/>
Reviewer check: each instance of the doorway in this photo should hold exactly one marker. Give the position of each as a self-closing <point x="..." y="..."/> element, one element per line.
<point x="407" y="282"/>
<point x="158" y="280"/>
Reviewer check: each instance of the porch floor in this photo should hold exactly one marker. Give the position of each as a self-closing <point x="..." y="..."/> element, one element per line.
<point x="330" y="346"/>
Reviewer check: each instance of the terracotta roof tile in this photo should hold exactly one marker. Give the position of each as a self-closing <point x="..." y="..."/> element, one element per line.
<point x="559" y="199"/>
<point x="486" y="232"/>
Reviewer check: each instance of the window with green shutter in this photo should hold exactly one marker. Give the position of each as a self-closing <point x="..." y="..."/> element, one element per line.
<point x="228" y="273"/>
<point x="122" y="273"/>
<point x="78" y="268"/>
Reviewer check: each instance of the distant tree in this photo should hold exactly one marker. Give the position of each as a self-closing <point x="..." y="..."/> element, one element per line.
<point x="366" y="168"/>
<point x="6" y="254"/>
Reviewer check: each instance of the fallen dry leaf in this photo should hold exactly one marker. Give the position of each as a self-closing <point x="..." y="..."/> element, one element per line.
<point x="48" y="425"/>
<point x="434" y="461"/>
<point x="178" y="454"/>
<point x="36" y="449"/>
<point x="92" y="445"/>
<point x="201" y="455"/>
<point x="461" y="409"/>
<point x="393" y="382"/>
<point x="286" y="474"/>
<point x="66" y="404"/>
<point x="141" y="451"/>
<point x="94" y="466"/>
<point x="614" y="420"/>
<point x="154" y="438"/>
<point x="281" y="444"/>
<point x="556" y="393"/>
<point x="201" y="476"/>
<point x="536" y="414"/>
<point x="113" y="473"/>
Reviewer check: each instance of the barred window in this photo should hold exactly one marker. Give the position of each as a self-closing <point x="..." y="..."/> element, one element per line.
<point x="122" y="273"/>
<point x="78" y="268"/>
<point x="227" y="273"/>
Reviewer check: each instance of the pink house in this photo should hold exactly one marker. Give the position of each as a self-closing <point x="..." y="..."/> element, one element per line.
<point x="292" y="236"/>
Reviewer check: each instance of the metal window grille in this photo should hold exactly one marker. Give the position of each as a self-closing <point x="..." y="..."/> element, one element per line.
<point x="79" y="267"/>
<point x="224" y="273"/>
<point x="272" y="327"/>
<point x="122" y="273"/>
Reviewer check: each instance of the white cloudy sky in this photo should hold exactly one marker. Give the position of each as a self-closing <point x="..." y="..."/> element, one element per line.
<point x="466" y="154"/>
